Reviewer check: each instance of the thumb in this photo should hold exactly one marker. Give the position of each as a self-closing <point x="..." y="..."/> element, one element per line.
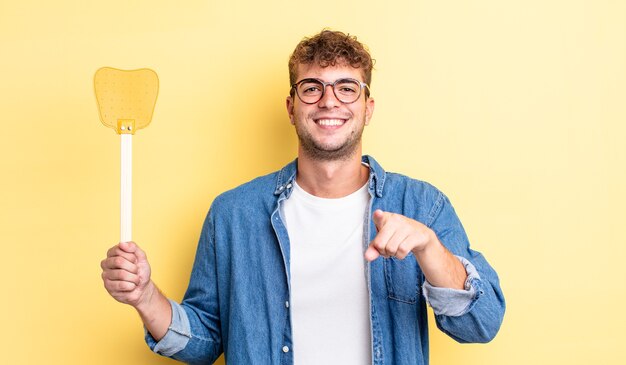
<point x="371" y="253"/>
<point x="129" y="246"/>
<point x="141" y="255"/>
<point x="132" y="247"/>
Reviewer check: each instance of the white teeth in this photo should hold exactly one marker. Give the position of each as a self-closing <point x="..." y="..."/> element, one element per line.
<point x="330" y="122"/>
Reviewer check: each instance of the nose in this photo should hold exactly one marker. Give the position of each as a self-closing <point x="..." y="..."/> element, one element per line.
<point x="328" y="100"/>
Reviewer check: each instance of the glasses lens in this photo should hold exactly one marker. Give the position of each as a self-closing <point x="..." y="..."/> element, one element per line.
<point x="347" y="90"/>
<point x="310" y="91"/>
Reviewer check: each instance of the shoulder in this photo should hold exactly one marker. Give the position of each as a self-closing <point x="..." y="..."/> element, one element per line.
<point x="393" y="184"/>
<point x="259" y="191"/>
<point x="415" y="198"/>
<point x="396" y="183"/>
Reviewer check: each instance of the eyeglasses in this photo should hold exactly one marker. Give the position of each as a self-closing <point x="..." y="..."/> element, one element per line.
<point x="347" y="91"/>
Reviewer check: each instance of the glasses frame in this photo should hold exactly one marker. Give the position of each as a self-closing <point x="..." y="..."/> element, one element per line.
<point x="362" y="85"/>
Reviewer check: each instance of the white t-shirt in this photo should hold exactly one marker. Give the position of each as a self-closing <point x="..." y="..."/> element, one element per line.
<point x="329" y="298"/>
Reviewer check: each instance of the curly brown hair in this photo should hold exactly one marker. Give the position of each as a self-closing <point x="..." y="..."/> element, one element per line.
<point x="329" y="48"/>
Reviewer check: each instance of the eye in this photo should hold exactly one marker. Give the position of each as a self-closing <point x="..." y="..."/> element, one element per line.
<point x="313" y="88"/>
<point x="347" y="87"/>
<point x="308" y="88"/>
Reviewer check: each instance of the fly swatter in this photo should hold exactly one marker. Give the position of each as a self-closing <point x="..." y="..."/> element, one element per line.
<point x="126" y="100"/>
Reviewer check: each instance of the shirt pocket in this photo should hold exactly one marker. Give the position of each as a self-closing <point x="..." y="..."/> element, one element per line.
<point x="402" y="279"/>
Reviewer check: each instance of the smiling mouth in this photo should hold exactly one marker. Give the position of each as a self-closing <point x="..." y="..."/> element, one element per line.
<point x="330" y="122"/>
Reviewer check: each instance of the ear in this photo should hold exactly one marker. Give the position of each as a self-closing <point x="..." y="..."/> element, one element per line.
<point x="289" y="105"/>
<point x="369" y="110"/>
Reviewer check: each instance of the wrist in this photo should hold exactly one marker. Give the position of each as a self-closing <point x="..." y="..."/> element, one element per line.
<point x="147" y="298"/>
<point x="155" y="311"/>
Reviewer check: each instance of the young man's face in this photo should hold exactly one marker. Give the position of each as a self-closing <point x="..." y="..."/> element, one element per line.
<point x="329" y="129"/>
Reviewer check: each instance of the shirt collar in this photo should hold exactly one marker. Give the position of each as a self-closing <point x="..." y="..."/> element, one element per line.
<point x="286" y="176"/>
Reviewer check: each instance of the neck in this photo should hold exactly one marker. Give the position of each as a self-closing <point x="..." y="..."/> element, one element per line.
<point x="331" y="179"/>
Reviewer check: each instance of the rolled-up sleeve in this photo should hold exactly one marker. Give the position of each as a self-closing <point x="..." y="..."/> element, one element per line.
<point x="177" y="335"/>
<point x="454" y="302"/>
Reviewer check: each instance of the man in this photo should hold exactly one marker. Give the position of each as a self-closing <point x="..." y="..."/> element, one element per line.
<point x="329" y="260"/>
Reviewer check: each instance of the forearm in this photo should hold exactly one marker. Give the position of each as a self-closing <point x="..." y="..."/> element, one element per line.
<point x="440" y="267"/>
<point x="155" y="312"/>
<point x="480" y="320"/>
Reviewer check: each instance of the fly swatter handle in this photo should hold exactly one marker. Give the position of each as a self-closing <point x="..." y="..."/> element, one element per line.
<point x="126" y="192"/>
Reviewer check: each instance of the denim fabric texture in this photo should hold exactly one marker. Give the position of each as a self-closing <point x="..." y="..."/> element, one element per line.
<point x="237" y="302"/>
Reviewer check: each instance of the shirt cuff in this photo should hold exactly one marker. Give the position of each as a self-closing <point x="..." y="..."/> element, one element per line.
<point x="177" y="335"/>
<point x="454" y="302"/>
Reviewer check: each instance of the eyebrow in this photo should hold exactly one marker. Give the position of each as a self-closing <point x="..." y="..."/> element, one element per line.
<point x="309" y="79"/>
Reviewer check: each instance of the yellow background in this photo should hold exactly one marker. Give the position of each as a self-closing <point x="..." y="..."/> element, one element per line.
<point x="515" y="109"/>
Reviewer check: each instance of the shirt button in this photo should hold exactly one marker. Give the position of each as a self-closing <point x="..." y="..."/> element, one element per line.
<point x="285" y="349"/>
<point x="289" y="186"/>
<point x="287" y="304"/>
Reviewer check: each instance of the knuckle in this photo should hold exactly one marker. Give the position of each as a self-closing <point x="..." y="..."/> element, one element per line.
<point x="126" y="256"/>
<point x="118" y="275"/>
<point x="112" y="251"/>
<point x="108" y="285"/>
<point x="119" y="261"/>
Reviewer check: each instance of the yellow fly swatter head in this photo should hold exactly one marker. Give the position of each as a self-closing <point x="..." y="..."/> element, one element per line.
<point x="126" y="102"/>
<point x="126" y="99"/>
